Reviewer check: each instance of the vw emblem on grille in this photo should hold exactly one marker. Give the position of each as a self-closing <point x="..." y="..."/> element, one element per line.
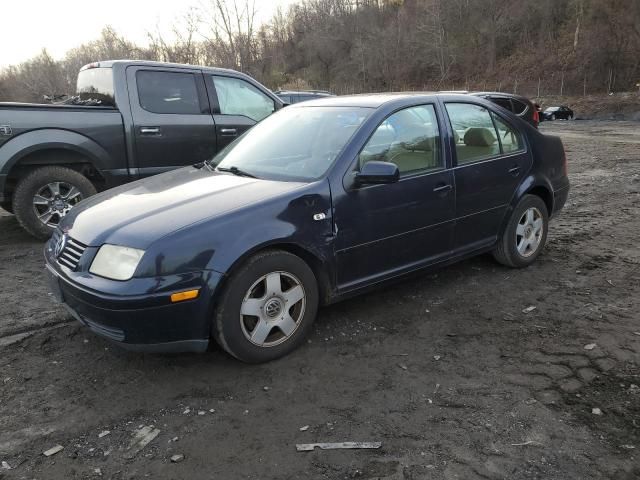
<point x="59" y="246"/>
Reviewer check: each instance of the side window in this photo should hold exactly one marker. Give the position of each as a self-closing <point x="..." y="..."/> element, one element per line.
<point x="519" y="107"/>
<point x="409" y="138"/>
<point x="237" y="97"/>
<point x="168" y="92"/>
<point x="503" y="102"/>
<point x="474" y="133"/>
<point x="510" y="139"/>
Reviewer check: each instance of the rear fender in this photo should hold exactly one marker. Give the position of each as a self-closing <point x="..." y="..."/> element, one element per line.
<point x="34" y="141"/>
<point x="529" y="184"/>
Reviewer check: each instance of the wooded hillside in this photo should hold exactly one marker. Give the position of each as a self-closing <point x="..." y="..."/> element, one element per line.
<point x="534" y="47"/>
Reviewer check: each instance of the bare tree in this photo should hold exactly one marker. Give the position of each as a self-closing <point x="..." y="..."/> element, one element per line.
<point x="375" y="45"/>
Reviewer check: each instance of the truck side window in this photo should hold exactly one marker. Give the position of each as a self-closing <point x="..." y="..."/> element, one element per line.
<point x="237" y="97"/>
<point x="168" y="92"/>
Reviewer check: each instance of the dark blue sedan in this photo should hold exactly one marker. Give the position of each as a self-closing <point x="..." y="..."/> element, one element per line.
<point x="318" y="202"/>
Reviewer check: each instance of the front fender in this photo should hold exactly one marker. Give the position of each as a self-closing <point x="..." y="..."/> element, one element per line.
<point x="220" y="243"/>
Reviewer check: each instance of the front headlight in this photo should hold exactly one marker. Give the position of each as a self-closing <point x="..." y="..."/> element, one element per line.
<point x="115" y="262"/>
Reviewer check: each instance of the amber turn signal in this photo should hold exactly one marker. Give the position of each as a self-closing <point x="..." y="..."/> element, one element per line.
<point x="181" y="296"/>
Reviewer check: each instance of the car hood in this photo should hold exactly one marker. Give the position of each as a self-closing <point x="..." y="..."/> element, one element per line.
<point x="139" y="213"/>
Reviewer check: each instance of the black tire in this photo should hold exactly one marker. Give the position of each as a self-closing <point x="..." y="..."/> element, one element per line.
<point x="36" y="180"/>
<point x="229" y="327"/>
<point x="8" y="206"/>
<point x="506" y="251"/>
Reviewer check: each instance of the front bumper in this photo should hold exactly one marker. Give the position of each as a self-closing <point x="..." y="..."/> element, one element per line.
<point x="145" y="319"/>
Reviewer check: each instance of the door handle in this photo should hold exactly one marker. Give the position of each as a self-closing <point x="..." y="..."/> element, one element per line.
<point x="229" y="132"/>
<point x="445" y="188"/>
<point x="150" y="130"/>
<point x="515" y="170"/>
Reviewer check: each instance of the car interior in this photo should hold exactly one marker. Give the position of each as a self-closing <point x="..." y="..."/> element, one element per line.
<point x="476" y="142"/>
<point x="408" y="138"/>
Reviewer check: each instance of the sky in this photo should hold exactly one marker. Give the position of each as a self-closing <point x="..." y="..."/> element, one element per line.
<point x="28" y="26"/>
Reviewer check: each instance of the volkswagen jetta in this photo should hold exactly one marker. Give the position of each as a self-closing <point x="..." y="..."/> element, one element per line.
<point x="316" y="203"/>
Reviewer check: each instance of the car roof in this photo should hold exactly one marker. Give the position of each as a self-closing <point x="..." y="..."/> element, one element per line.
<point x="375" y="100"/>
<point x="319" y="93"/>
<point x="501" y="94"/>
<point x="149" y="63"/>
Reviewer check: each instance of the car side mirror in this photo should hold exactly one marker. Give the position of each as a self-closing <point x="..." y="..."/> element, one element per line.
<point x="376" y="173"/>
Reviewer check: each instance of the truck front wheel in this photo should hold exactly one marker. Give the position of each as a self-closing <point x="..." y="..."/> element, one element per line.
<point x="46" y="195"/>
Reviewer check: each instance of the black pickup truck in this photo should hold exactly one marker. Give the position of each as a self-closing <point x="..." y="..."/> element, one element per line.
<point x="128" y="120"/>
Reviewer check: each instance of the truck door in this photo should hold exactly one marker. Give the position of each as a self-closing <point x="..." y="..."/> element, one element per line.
<point x="173" y="126"/>
<point x="237" y="106"/>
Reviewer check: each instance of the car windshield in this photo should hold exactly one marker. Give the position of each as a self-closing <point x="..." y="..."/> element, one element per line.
<point x="552" y="109"/>
<point x="295" y="144"/>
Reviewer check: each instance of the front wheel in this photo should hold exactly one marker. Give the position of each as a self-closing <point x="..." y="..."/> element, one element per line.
<point x="46" y="195"/>
<point x="525" y="235"/>
<point x="267" y="308"/>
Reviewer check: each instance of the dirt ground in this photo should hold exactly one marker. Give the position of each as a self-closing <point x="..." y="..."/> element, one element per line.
<point x="446" y="370"/>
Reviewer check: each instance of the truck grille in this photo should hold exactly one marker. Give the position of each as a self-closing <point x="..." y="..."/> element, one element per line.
<point x="71" y="252"/>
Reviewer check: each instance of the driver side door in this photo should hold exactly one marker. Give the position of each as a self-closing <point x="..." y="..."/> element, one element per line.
<point x="386" y="230"/>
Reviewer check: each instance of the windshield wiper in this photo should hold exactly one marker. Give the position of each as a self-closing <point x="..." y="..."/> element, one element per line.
<point x="206" y="163"/>
<point x="236" y="171"/>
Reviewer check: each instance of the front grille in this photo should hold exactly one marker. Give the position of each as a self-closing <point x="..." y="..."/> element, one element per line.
<point x="71" y="253"/>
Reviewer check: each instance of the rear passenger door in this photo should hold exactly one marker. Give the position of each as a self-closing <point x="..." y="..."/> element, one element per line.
<point x="237" y="106"/>
<point x="491" y="157"/>
<point x="172" y="122"/>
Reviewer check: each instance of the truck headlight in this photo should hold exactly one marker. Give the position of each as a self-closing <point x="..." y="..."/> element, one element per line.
<point x="116" y="262"/>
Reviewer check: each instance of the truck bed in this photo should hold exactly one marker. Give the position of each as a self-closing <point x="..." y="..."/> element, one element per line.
<point x="97" y="130"/>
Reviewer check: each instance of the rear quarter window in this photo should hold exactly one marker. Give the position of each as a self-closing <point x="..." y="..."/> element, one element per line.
<point x="96" y="84"/>
<point x="503" y="102"/>
<point x="519" y="107"/>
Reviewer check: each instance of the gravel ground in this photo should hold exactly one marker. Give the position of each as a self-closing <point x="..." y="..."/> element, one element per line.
<point x="446" y="370"/>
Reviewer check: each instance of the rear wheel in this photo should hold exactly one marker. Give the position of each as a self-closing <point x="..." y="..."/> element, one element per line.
<point x="8" y="206"/>
<point x="525" y="235"/>
<point x="267" y="308"/>
<point x="46" y="195"/>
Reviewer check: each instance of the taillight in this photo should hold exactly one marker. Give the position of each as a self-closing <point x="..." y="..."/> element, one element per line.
<point x="536" y="117"/>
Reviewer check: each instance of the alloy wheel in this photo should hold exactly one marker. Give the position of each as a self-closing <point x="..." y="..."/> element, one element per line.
<point x="529" y="232"/>
<point x="272" y="309"/>
<point x="54" y="200"/>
